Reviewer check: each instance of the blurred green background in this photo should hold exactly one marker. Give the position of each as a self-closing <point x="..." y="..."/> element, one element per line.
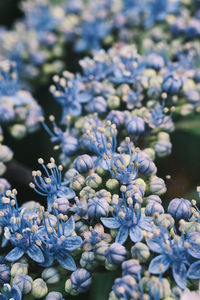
<point x="183" y="164"/>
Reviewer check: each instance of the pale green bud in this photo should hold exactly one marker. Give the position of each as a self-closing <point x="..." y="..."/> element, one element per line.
<point x="39" y="288"/>
<point x="94" y="180"/>
<point x="112" y="184"/>
<point x="141" y="252"/>
<point x="18" y="268"/>
<point x="50" y="275"/>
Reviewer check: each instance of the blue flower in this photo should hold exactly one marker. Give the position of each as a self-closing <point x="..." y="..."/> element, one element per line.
<point x="129" y="221"/>
<point x="39" y="17"/>
<point x="175" y="253"/>
<point x="99" y="142"/>
<point x="59" y="244"/>
<point x="127" y="67"/>
<point x="13" y="293"/>
<point x="68" y="143"/>
<point x="51" y="186"/>
<point x="157" y="117"/>
<point x="25" y="239"/>
<point x="92" y="32"/>
<point x="123" y="172"/>
<point x="97" y="68"/>
<point x="69" y="92"/>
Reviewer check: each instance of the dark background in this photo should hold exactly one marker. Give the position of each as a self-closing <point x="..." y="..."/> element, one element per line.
<point x="183" y="164"/>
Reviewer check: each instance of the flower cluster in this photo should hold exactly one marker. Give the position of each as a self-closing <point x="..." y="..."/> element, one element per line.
<point x="103" y="206"/>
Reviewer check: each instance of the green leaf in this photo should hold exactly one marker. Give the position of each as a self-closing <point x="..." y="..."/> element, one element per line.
<point x="191" y="125"/>
<point x="102" y="285"/>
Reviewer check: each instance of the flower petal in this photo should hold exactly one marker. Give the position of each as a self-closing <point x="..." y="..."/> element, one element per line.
<point x="136" y="234"/>
<point x="111" y="223"/>
<point x="16" y="293"/>
<point x="122" y="235"/>
<point x="194" y="271"/>
<point x="69" y="226"/>
<point x="15" y="254"/>
<point x="154" y="266"/>
<point x="48" y="260"/>
<point x="35" y="253"/>
<point x="179" y="272"/>
<point x="144" y="224"/>
<point x="66" y="261"/>
<point x="72" y="243"/>
<point x="154" y="245"/>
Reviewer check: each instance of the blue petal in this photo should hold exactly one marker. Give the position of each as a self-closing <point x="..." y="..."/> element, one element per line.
<point x="179" y="272"/>
<point x="111" y="223"/>
<point x="72" y="243"/>
<point x="69" y="226"/>
<point x="16" y="293"/>
<point x="154" y="245"/>
<point x="14" y="254"/>
<point x="84" y="97"/>
<point x="144" y="224"/>
<point x="194" y="271"/>
<point x="48" y="260"/>
<point x="66" y="261"/>
<point x="122" y="235"/>
<point x="136" y="234"/>
<point x="35" y="253"/>
<point x="154" y="266"/>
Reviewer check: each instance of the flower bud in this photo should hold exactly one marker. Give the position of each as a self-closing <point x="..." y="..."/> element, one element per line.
<point x="140" y="251"/>
<point x="115" y="254"/>
<point x="83" y="163"/>
<point x="69" y="289"/>
<point x="152" y="207"/>
<point x="81" y="280"/>
<point x="77" y="183"/>
<point x="24" y="282"/>
<point x="93" y="180"/>
<point x="18" y="268"/>
<point x="113" y="103"/>
<point x="87" y="192"/>
<point x="172" y="84"/>
<point x="4" y="273"/>
<point x="6" y="153"/>
<point x="131" y="267"/>
<point x="135" y="125"/>
<point x="18" y="131"/>
<point x="39" y="288"/>
<point x="157" y="185"/>
<point x="97" y="208"/>
<point x="163" y="148"/>
<point x="116" y="117"/>
<point x="99" y="250"/>
<point x="50" y="275"/>
<point x="62" y="205"/>
<point x="112" y="184"/>
<point x="180" y="208"/>
<point x="54" y="296"/>
<point x="87" y="260"/>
